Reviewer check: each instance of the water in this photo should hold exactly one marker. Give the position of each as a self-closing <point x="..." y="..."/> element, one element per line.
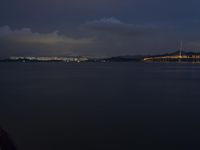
<point x="101" y="106"/>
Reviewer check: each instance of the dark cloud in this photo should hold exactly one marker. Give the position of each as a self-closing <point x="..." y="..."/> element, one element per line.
<point x="95" y="37"/>
<point x="53" y="14"/>
<point x="119" y="28"/>
<point x="25" y="35"/>
<point x="25" y="42"/>
<point x="115" y="37"/>
<point x="106" y="36"/>
<point x="97" y="27"/>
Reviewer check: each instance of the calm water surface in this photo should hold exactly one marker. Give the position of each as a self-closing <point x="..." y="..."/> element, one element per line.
<point x="101" y="106"/>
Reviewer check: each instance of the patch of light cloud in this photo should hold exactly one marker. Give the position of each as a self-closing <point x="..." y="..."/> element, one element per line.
<point x="25" y="35"/>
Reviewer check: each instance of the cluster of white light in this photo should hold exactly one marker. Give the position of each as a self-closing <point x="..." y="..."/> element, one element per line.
<point x="65" y="59"/>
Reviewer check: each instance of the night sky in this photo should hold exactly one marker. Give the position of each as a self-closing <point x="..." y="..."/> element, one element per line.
<point x="97" y="27"/>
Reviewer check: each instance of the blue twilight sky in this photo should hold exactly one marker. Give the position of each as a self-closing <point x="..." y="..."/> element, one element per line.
<point x="97" y="27"/>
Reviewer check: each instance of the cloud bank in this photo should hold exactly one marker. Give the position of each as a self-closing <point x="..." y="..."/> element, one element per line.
<point x="100" y="37"/>
<point x="25" y="35"/>
<point x="23" y="41"/>
<point x="117" y="27"/>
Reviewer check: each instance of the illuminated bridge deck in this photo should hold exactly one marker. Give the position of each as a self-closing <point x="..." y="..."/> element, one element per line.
<point x="184" y="58"/>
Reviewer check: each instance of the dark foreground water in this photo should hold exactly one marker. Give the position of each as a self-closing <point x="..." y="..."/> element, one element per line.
<point x="101" y="106"/>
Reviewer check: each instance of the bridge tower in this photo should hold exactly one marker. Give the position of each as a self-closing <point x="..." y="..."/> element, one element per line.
<point x="181" y="49"/>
